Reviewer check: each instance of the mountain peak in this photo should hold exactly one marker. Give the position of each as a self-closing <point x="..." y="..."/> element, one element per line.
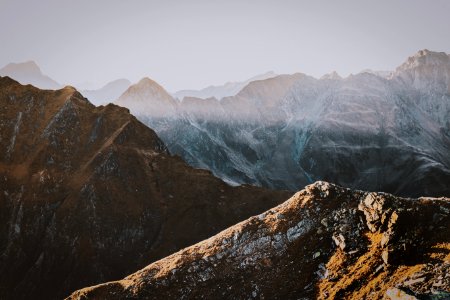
<point x="147" y="95"/>
<point x="147" y="81"/>
<point x="29" y="67"/>
<point x="29" y="73"/>
<point x="425" y="57"/>
<point x="425" y="68"/>
<point x="149" y="87"/>
<point x="69" y="88"/>
<point x="332" y="76"/>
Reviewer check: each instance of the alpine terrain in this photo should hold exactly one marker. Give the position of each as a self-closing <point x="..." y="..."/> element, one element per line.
<point x="326" y="242"/>
<point x="90" y="194"/>
<point x="373" y="131"/>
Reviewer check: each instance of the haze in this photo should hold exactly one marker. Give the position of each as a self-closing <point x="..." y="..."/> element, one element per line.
<point x="193" y="44"/>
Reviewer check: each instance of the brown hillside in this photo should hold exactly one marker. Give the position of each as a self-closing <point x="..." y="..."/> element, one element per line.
<point x="89" y="194"/>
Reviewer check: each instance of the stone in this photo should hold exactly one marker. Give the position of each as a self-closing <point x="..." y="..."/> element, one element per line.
<point x="397" y="294"/>
<point x="339" y="240"/>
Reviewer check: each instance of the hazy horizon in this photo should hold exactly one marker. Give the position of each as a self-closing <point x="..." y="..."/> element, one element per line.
<point x="195" y="44"/>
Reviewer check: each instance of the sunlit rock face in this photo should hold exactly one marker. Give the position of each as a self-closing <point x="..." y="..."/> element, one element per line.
<point x="325" y="242"/>
<point x="367" y="131"/>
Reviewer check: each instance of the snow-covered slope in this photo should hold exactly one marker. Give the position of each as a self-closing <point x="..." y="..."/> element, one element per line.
<point x="365" y="131"/>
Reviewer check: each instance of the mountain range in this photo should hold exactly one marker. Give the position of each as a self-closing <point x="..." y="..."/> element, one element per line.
<point x="30" y="73"/>
<point x="221" y="91"/>
<point x="367" y="131"/>
<point x="90" y="194"/>
<point x="96" y="203"/>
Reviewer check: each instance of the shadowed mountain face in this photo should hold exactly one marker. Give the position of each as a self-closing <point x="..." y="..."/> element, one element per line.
<point x="369" y="131"/>
<point x="89" y="194"/>
<point x="326" y="242"/>
<point x="29" y="73"/>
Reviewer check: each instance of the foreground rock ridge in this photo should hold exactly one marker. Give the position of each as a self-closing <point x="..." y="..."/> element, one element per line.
<point x="326" y="242"/>
<point x="90" y="194"/>
<point x="369" y="131"/>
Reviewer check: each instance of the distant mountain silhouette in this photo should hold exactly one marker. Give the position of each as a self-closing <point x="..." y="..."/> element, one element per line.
<point x="221" y="91"/>
<point x="29" y="73"/>
<point x="108" y="93"/>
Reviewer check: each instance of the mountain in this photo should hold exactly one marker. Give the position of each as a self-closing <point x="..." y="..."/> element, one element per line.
<point x="108" y="93"/>
<point x="89" y="194"/>
<point x="385" y="74"/>
<point x="326" y="242"/>
<point x="221" y="91"/>
<point x="148" y="97"/>
<point x="29" y="73"/>
<point x="365" y="131"/>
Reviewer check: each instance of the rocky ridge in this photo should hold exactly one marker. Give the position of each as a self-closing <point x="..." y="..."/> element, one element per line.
<point x="89" y="194"/>
<point x="326" y="242"/>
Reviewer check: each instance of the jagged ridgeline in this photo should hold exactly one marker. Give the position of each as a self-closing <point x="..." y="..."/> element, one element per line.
<point x="374" y="131"/>
<point x="326" y="242"/>
<point x="90" y="194"/>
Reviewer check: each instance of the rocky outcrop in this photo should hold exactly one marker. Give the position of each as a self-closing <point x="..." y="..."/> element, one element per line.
<point x="89" y="194"/>
<point x="326" y="242"/>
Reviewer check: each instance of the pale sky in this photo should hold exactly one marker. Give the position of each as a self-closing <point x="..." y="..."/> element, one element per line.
<point x="192" y="44"/>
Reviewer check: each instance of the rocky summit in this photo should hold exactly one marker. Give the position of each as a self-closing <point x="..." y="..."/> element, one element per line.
<point x="90" y="194"/>
<point x="326" y="242"/>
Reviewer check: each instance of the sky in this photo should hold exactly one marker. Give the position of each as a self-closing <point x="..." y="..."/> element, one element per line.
<point x="191" y="44"/>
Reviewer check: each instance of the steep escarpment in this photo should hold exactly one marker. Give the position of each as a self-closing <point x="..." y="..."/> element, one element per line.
<point x="89" y="194"/>
<point x="326" y="242"/>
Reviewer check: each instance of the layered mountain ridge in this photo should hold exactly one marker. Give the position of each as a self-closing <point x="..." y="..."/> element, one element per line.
<point x="326" y="242"/>
<point x="366" y="131"/>
<point x="108" y="93"/>
<point x="30" y="73"/>
<point x="84" y="187"/>
<point x="221" y="91"/>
